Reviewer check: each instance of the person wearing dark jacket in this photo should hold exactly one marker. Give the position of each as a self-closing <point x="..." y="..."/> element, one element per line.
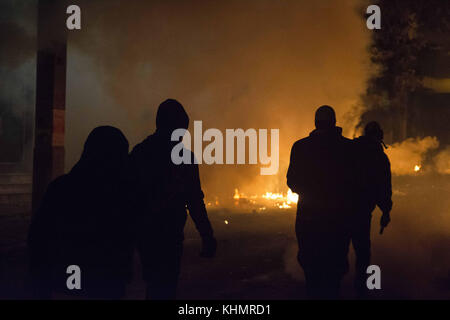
<point x="84" y="220"/>
<point x="322" y="171"/>
<point x="376" y="191"/>
<point x="166" y="191"/>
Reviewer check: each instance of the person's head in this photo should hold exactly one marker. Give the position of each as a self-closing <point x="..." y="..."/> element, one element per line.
<point x="170" y="116"/>
<point x="325" y="118"/>
<point x="373" y="130"/>
<point x="105" y="149"/>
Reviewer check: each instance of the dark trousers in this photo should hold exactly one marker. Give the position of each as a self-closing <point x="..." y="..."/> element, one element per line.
<point x="161" y="269"/>
<point x="323" y="248"/>
<point x="361" y="244"/>
<point x="322" y="285"/>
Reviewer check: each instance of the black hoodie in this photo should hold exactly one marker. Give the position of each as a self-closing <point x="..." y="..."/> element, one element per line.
<point x="376" y="173"/>
<point x="323" y="172"/>
<point x="85" y="220"/>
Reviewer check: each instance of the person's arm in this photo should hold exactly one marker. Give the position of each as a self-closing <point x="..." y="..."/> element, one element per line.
<point x="199" y="215"/>
<point x="292" y="176"/>
<point x="196" y="205"/>
<point x="384" y="194"/>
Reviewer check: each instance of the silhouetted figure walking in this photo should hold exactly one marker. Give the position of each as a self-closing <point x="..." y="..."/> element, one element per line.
<point x="376" y="190"/>
<point x="84" y="220"/>
<point x="322" y="171"/>
<point x="166" y="190"/>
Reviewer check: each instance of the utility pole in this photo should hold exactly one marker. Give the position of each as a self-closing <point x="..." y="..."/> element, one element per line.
<point x="48" y="160"/>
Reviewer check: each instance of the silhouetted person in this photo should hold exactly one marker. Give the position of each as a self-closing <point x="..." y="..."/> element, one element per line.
<point x="167" y="191"/>
<point x="376" y="190"/>
<point x="84" y="220"/>
<point x="322" y="172"/>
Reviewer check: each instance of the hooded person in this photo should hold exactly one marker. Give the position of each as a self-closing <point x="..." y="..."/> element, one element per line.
<point x="376" y="191"/>
<point x="322" y="172"/>
<point x="166" y="191"/>
<point x="84" y="221"/>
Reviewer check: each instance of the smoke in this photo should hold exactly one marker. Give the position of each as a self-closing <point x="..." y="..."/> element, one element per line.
<point x="232" y="64"/>
<point x="17" y="48"/>
<point x="419" y="155"/>
<point x="437" y="85"/>
<point x="17" y="80"/>
<point x="254" y="64"/>
<point x="17" y="32"/>
<point x="442" y="161"/>
<point x="409" y="56"/>
<point x="413" y="250"/>
<point x="406" y="155"/>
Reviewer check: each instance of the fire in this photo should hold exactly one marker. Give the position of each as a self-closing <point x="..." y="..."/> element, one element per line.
<point x="271" y="199"/>
<point x="256" y="203"/>
<point x="272" y="196"/>
<point x="292" y="197"/>
<point x="417" y="168"/>
<point x="236" y="194"/>
<point x="214" y="203"/>
<point x="284" y="205"/>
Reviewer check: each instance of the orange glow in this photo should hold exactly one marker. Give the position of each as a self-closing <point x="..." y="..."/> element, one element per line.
<point x="268" y="199"/>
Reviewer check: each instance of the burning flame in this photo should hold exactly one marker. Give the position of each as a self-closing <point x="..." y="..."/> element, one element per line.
<point x="417" y="168"/>
<point x="236" y="194"/>
<point x="292" y="197"/>
<point x="211" y="204"/>
<point x="272" y="196"/>
<point x="278" y="200"/>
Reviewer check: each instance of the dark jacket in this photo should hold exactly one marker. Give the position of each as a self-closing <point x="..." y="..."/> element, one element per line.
<point x="166" y="191"/>
<point x="376" y="173"/>
<point x="322" y="171"/>
<point x="85" y="220"/>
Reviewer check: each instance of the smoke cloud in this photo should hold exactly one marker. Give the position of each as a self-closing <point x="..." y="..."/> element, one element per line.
<point x="442" y="161"/>
<point x="232" y="64"/>
<point x="406" y="155"/>
<point x="17" y="78"/>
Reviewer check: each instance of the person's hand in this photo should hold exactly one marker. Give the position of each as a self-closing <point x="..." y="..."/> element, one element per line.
<point x="209" y="247"/>
<point x="384" y="221"/>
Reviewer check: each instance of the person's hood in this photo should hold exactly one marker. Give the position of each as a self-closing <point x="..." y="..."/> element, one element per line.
<point x="105" y="152"/>
<point x="171" y="115"/>
<point x="369" y="143"/>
